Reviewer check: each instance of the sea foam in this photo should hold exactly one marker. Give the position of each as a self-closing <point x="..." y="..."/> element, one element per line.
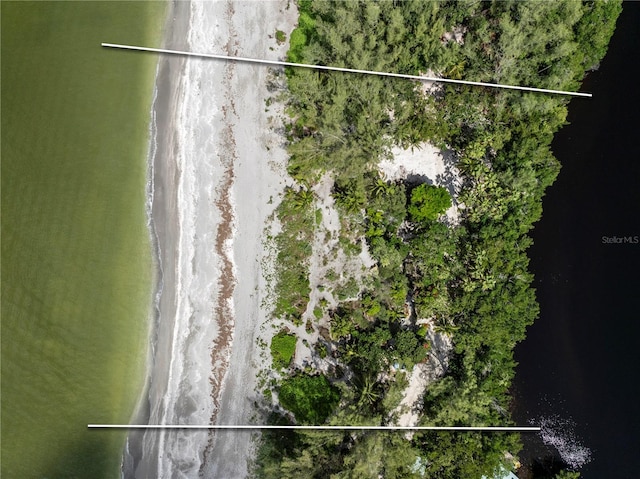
<point x="188" y="398"/>
<point x="560" y="433"/>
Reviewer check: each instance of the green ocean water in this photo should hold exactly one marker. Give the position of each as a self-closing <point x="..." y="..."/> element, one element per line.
<point x="77" y="267"/>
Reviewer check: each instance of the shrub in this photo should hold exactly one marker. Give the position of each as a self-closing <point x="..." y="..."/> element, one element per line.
<point x="428" y="202"/>
<point x="297" y="42"/>
<point x="350" y="290"/>
<point x="283" y="347"/>
<point x="267" y="395"/>
<point x="311" y="399"/>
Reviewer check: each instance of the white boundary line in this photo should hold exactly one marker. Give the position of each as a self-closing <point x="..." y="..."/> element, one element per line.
<point x="347" y="70"/>
<point x="317" y="428"/>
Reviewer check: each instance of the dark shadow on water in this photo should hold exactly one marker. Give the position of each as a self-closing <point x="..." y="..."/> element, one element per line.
<point x="582" y="352"/>
<point x="543" y="467"/>
<point x="92" y="455"/>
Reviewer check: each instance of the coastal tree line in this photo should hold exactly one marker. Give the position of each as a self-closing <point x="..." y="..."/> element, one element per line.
<point x="471" y="279"/>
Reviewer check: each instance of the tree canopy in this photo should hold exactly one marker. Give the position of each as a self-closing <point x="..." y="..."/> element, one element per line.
<point x="428" y="202"/>
<point x="470" y="280"/>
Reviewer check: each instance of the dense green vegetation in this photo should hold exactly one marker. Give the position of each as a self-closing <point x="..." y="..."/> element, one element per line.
<point x="310" y="398"/>
<point x="471" y="280"/>
<point x="76" y="256"/>
<point x="283" y="347"/>
<point x="293" y="251"/>
<point x="428" y="202"/>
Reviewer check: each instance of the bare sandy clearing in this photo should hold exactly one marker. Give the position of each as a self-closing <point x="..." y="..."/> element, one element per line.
<point x="426" y="164"/>
<point x="330" y="271"/>
<point x="409" y="410"/>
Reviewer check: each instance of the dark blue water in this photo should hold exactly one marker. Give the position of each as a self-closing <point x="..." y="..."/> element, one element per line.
<point x="580" y="364"/>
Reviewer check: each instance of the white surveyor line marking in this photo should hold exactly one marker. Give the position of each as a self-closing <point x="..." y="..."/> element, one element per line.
<point x="327" y="428"/>
<point x="322" y="428"/>
<point x="347" y="70"/>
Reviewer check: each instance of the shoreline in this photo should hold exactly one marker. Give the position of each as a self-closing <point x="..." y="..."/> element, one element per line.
<point x="162" y="222"/>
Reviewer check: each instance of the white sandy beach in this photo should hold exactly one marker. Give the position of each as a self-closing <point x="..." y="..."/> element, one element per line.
<point x="217" y="174"/>
<point x="217" y="171"/>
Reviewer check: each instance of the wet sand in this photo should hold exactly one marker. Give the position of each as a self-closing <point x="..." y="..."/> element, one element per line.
<point x="139" y="458"/>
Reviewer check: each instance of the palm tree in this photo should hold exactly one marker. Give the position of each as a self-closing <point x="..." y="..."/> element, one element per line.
<point x="445" y="326"/>
<point x="346" y="199"/>
<point x="304" y="198"/>
<point x="368" y="393"/>
<point x="455" y="72"/>
<point x="300" y="199"/>
<point x="380" y="188"/>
